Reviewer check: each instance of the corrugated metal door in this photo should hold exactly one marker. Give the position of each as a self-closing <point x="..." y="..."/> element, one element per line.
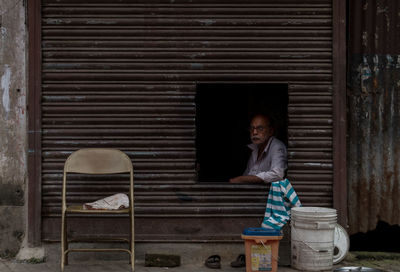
<point x="123" y="74"/>
<point x="373" y="97"/>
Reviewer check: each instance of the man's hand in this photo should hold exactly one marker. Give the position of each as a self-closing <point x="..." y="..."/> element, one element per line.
<point x="238" y="179"/>
<point x="242" y="179"/>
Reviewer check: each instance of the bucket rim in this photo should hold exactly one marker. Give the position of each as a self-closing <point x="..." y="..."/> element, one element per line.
<point x="316" y="216"/>
<point x="313" y="210"/>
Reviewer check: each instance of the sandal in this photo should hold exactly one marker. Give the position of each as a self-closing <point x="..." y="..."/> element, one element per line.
<point x="240" y="261"/>
<point x="214" y="262"/>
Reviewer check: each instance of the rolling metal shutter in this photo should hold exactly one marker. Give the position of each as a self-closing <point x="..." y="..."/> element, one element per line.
<point x="123" y="74"/>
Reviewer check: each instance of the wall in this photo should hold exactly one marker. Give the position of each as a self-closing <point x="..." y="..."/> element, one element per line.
<point x="13" y="134"/>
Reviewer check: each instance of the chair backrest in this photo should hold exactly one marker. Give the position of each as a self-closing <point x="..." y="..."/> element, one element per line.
<point x="98" y="161"/>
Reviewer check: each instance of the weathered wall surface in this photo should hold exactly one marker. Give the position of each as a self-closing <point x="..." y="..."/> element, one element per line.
<point x="12" y="125"/>
<point x="373" y="114"/>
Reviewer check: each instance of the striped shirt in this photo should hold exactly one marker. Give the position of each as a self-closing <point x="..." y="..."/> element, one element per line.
<point x="281" y="199"/>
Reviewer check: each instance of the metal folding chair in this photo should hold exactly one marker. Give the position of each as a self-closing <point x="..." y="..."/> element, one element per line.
<point x="96" y="161"/>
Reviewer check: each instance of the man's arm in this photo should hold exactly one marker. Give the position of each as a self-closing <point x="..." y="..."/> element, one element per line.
<point x="277" y="171"/>
<point x="241" y="179"/>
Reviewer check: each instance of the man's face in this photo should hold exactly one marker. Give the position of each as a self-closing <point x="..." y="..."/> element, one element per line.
<point x="260" y="130"/>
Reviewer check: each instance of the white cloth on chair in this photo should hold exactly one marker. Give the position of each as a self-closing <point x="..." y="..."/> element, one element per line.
<point x="114" y="202"/>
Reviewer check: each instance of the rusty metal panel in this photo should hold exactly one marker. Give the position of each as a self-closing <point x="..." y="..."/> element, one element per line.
<point x="373" y="117"/>
<point x="123" y="75"/>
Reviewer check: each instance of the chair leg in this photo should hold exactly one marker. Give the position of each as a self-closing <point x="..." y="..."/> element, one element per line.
<point x="64" y="242"/>
<point x="132" y="242"/>
<point x="132" y="261"/>
<point x="65" y="248"/>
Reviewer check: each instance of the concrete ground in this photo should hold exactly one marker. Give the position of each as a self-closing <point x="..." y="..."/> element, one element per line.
<point x="114" y="267"/>
<point x="120" y="266"/>
<point x="192" y="259"/>
<point x="192" y="256"/>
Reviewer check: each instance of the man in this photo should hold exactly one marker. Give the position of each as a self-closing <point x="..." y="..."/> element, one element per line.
<point x="268" y="160"/>
<point x="267" y="163"/>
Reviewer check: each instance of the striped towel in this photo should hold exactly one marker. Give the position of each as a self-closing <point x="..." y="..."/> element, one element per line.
<point x="281" y="199"/>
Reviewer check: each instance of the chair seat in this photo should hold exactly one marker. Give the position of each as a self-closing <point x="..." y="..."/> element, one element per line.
<point x="79" y="209"/>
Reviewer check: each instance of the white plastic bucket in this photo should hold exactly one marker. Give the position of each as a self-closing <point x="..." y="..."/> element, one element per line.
<point x="312" y="231"/>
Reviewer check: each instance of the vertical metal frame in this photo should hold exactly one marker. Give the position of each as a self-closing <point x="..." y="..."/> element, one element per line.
<point x="339" y="111"/>
<point x="34" y="122"/>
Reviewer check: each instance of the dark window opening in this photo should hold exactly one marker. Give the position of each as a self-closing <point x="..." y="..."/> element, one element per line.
<point x="223" y="113"/>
